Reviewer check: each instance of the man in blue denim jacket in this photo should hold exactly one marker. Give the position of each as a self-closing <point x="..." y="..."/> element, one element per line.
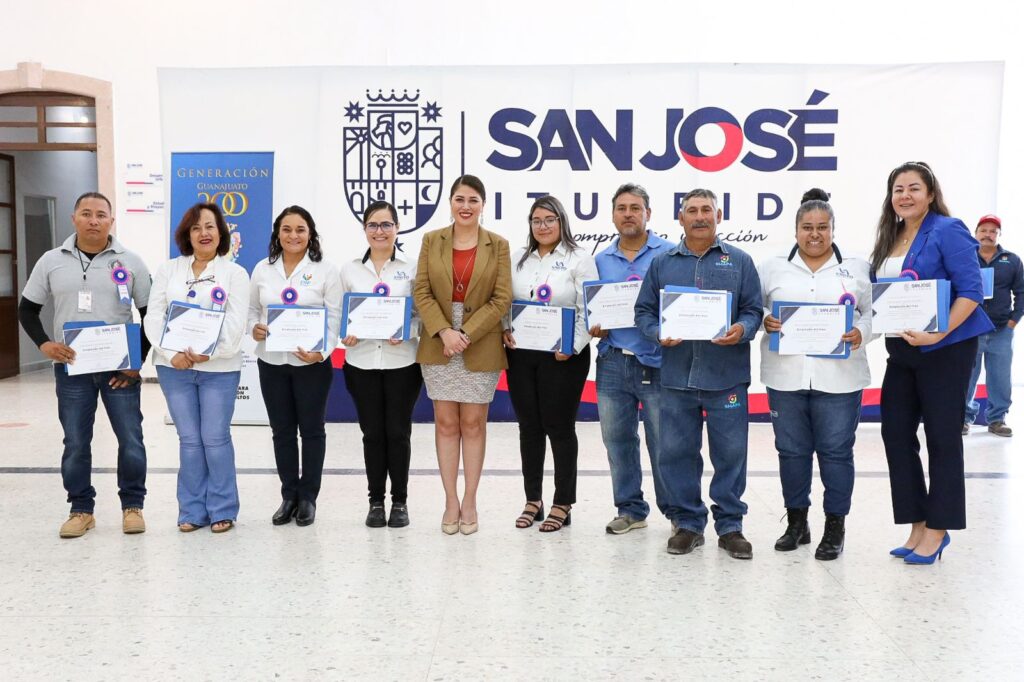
<point x="700" y="377"/>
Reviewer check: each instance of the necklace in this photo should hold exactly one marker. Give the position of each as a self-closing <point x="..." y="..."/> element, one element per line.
<point x="460" y="278"/>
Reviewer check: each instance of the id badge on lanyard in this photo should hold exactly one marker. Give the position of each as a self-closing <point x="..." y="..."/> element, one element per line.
<point x="84" y="301"/>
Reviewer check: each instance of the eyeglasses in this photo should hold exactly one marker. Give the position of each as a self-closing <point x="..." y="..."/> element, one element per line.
<point x="550" y="221"/>
<point x="383" y="227"/>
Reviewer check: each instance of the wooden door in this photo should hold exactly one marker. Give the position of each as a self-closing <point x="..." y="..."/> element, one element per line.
<point x="9" y="360"/>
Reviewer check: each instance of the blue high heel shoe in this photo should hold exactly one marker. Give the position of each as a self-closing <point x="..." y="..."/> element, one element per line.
<point x="915" y="558"/>
<point x="900" y="552"/>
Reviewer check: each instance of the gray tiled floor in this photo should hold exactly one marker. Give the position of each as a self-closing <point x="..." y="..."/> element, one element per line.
<point x="341" y="601"/>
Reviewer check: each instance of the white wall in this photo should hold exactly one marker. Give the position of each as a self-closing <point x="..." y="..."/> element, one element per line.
<point x="126" y="42"/>
<point x="64" y="176"/>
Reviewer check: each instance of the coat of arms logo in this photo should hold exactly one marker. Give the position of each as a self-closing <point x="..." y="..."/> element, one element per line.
<point x="392" y="153"/>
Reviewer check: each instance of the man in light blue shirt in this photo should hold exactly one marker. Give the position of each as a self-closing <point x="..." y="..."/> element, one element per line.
<point x="628" y="366"/>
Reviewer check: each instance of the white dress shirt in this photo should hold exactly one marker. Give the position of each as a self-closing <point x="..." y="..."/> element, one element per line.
<point x="360" y="276"/>
<point x="318" y="286"/>
<point x="789" y="279"/>
<point x="173" y="282"/>
<point x="564" y="270"/>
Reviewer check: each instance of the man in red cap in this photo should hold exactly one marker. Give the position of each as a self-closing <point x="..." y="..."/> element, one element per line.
<point x="995" y="349"/>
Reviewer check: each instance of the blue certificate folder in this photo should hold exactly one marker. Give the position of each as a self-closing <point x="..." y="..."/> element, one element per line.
<point x="841" y="352"/>
<point x="667" y="298"/>
<point x="274" y="311"/>
<point x="134" y="359"/>
<point x="988" y="282"/>
<point x="354" y="299"/>
<point x="942" y="305"/>
<point x="565" y="345"/>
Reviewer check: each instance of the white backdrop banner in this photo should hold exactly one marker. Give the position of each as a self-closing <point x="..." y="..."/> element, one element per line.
<point x="757" y="135"/>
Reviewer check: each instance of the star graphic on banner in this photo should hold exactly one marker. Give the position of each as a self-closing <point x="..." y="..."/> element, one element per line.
<point x="431" y="112"/>
<point x="398" y="245"/>
<point x="353" y="111"/>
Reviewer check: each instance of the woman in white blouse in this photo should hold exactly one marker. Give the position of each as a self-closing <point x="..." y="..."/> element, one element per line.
<point x="815" y="402"/>
<point x="295" y="383"/>
<point x="200" y="389"/>
<point x="383" y="376"/>
<point x="545" y="386"/>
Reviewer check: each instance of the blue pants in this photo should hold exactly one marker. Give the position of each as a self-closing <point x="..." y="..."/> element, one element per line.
<point x="201" y="405"/>
<point x="623" y="384"/>
<point x="682" y="466"/>
<point x="811" y="421"/>
<point x="995" y="349"/>
<point x="76" y="408"/>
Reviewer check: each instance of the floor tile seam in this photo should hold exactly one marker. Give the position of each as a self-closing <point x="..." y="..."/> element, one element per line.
<point x="267" y="471"/>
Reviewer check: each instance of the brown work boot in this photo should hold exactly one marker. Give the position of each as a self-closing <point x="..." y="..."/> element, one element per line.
<point x="132" y="521"/>
<point x="1000" y="429"/>
<point x="77" y="524"/>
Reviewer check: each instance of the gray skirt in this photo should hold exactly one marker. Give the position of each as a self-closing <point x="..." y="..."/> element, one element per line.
<point x="456" y="383"/>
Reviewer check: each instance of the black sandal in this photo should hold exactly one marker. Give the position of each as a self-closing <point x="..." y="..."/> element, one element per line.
<point x="553" y="523"/>
<point x="531" y="512"/>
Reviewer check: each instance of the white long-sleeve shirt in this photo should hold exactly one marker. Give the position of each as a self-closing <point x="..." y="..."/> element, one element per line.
<point x="173" y="282"/>
<point x="318" y="285"/>
<point x="360" y="276"/>
<point x="789" y="279"/>
<point x="564" y="270"/>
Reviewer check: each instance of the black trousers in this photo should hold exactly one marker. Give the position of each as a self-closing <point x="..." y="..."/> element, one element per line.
<point x="545" y="395"/>
<point x="296" y="398"/>
<point x="929" y="387"/>
<point x="384" y="401"/>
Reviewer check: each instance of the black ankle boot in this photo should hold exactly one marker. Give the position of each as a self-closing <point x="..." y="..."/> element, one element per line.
<point x="798" y="532"/>
<point x="831" y="545"/>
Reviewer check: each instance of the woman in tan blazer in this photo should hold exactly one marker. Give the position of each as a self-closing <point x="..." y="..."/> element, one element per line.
<point x="463" y="289"/>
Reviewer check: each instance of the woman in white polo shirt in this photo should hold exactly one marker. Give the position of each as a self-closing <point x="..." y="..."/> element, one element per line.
<point x="545" y="386"/>
<point x="200" y="389"/>
<point x="295" y="384"/>
<point x="815" y="402"/>
<point x="383" y="376"/>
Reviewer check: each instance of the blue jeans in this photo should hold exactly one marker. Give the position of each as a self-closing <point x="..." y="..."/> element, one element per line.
<point x="201" y="405"/>
<point x="76" y="408"/>
<point x="621" y="389"/>
<point x="811" y="421"/>
<point x="996" y="348"/>
<point x="681" y="463"/>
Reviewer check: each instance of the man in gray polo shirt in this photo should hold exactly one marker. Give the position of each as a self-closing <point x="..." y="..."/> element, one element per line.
<point x="77" y="279"/>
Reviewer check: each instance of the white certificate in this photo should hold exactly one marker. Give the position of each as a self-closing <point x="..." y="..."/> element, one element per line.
<point x="694" y="315"/>
<point x="368" y="316"/>
<point x="292" y="327"/>
<point x="610" y="304"/>
<point x="913" y="305"/>
<point x="541" y="327"/>
<point x="812" y="329"/>
<point x="189" y="326"/>
<point x="102" y="348"/>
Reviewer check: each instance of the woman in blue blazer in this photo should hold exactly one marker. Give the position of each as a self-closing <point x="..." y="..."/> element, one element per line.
<point x="927" y="373"/>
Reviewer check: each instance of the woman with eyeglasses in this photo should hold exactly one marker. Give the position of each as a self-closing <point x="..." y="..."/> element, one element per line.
<point x="295" y="383"/>
<point x="927" y="373"/>
<point x="200" y="384"/>
<point x="545" y="386"/>
<point x="382" y="375"/>
<point x="463" y="289"/>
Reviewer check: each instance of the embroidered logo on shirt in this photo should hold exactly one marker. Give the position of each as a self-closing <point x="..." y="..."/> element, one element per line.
<point x="400" y="275"/>
<point x="559" y="265"/>
<point x="724" y="261"/>
<point x="307" y="280"/>
<point x="843" y="272"/>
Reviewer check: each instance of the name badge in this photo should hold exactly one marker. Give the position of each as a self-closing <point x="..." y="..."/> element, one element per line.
<point x="85" y="301"/>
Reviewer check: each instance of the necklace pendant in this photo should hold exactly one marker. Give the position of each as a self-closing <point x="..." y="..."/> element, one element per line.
<point x="458" y="287"/>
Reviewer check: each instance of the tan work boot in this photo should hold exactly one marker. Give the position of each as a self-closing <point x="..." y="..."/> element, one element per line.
<point x="77" y="524"/>
<point x="132" y="521"/>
